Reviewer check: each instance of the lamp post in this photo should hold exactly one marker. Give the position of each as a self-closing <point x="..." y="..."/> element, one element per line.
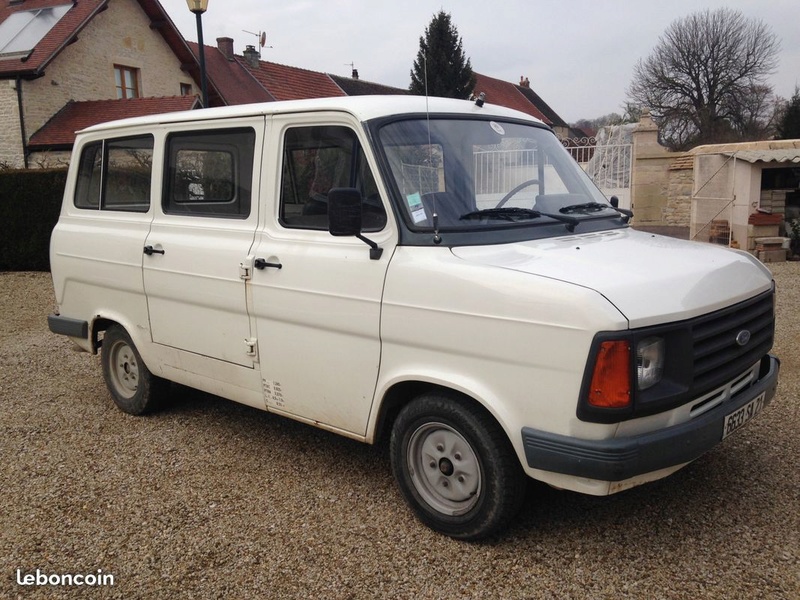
<point x="198" y="7"/>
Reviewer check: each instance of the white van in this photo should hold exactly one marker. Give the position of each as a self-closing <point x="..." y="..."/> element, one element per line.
<point x="433" y="270"/>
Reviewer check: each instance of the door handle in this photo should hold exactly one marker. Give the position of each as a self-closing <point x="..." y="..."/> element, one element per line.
<point x="263" y="264"/>
<point x="149" y="250"/>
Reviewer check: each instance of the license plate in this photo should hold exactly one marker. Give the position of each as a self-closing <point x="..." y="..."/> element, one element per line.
<point x="740" y="417"/>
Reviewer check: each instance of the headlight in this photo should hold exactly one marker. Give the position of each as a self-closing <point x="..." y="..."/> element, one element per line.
<point x="649" y="362"/>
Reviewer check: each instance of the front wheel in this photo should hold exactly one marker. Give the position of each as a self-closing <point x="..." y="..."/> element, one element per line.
<point x="133" y="387"/>
<point x="455" y="467"/>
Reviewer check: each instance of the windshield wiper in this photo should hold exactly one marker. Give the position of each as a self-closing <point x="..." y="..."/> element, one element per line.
<point x="590" y="207"/>
<point x="511" y="213"/>
<point x="515" y="213"/>
<point x="586" y="207"/>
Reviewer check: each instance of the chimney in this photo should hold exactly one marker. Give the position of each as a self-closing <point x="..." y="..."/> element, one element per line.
<point x="524" y="82"/>
<point x="355" y="73"/>
<point x="225" y="45"/>
<point x="251" y="57"/>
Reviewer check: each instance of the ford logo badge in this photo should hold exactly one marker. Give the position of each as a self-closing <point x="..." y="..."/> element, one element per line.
<point x="743" y="337"/>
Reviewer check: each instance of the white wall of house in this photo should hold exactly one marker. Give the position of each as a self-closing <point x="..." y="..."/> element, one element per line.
<point x="121" y="35"/>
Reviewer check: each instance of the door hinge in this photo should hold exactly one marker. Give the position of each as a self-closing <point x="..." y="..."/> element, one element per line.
<point x="245" y="271"/>
<point x="252" y="347"/>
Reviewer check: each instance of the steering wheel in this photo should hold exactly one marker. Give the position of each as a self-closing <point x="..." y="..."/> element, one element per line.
<point x="519" y="188"/>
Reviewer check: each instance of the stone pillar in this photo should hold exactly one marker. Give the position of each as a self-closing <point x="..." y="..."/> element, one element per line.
<point x="650" y="180"/>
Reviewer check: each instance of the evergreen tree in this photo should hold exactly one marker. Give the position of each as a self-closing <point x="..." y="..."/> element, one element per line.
<point x="449" y="72"/>
<point x="789" y="124"/>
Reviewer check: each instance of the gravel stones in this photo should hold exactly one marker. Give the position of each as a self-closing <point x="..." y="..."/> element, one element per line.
<point x="210" y="499"/>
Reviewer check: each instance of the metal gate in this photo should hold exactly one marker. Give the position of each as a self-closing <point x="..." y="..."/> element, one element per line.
<point x="608" y="160"/>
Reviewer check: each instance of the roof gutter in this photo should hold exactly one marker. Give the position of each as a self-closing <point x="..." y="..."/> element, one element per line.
<point x="22" y="122"/>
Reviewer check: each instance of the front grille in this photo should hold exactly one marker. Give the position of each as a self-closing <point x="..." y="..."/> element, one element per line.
<point x="717" y="355"/>
<point x="702" y="355"/>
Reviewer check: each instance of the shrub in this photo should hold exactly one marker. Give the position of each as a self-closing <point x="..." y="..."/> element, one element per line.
<point x="30" y="201"/>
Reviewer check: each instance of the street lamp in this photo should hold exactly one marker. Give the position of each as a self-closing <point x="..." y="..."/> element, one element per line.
<point x="198" y="7"/>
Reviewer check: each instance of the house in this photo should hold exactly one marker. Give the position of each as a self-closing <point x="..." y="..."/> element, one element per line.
<point x="522" y="98"/>
<point x="65" y="65"/>
<point x="245" y="78"/>
<point x="71" y="64"/>
<point x="239" y="79"/>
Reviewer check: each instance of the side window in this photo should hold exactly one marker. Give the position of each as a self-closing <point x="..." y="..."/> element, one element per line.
<point x="127" y="181"/>
<point x="316" y="159"/>
<point x="116" y="175"/>
<point x="210" y="173"/>
<point x="87" y="191"/>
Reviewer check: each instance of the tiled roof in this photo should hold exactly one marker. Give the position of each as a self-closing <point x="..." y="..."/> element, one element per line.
<point x="291" y="83"/>
<point x="543" y="107"/>
<point x="59" y="132"/>
<point x="506" y="94"/>
<point x="359" y="87"/>
<point x="232" y="82"/>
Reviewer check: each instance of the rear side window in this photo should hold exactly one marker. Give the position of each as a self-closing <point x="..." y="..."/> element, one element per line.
<point x="210" y="173"/>
<point x="116" y="175"/>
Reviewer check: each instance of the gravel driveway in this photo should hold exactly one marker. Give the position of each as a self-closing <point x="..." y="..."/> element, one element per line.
<point x="215" y="500"/>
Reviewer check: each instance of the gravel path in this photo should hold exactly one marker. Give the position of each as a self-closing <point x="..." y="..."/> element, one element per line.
<point x="215" y="500"/>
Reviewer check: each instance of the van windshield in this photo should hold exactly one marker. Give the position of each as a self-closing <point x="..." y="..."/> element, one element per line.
<point x="475" y="174"/>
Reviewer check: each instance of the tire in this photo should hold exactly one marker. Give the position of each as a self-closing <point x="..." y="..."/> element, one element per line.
<point x="134" y="389"/>
<point x="455" y="467"/>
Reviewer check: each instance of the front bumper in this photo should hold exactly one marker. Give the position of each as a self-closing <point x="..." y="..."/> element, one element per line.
<point x="622" y="458"/>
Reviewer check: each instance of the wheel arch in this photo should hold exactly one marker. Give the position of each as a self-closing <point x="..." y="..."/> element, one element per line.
<point x="402" y="392"/>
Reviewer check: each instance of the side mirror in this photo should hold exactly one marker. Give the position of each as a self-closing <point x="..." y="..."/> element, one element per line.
<point x="624" y="211"/>
<point x="344" y="217"/>
<point x="344" y="211"/>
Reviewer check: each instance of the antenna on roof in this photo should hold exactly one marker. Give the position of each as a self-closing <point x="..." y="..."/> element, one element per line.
<point x="353" y="70"/>
<point x="262" y="39"/>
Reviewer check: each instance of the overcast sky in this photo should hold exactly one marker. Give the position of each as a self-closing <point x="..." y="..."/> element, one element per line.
<point x="578" y="54"/>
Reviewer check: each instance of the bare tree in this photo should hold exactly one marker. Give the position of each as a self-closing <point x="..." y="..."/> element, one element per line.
<point x="705" y="81"/>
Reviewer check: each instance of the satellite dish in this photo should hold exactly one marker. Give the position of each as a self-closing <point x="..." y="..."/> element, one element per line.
<point x="263" y="39"/>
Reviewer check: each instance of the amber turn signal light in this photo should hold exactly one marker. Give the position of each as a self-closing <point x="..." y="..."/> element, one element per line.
<point x="611" y="379"/>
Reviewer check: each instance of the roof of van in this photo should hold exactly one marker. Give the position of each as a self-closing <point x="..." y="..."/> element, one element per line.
<point x="364" y="108"/>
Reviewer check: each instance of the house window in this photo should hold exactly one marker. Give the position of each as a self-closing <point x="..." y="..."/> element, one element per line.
<point x="186" y="89"/>
<point x="127" y="80"/>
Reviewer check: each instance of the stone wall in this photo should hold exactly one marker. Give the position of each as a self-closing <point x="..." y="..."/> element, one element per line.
<point x="120" y="35"/>
<point x="10" y="136"/>
<point x="661" y="190"/>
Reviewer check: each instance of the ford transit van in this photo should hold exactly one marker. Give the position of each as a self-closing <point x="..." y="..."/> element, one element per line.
<point x="436" y="271"/>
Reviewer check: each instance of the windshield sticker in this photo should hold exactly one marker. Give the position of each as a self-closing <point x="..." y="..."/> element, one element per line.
<point x="498" y="128"/>
<point x="416" y="208"/>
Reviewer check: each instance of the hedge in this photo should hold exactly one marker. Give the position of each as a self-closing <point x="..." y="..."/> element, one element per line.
<point x="30" y="202"/>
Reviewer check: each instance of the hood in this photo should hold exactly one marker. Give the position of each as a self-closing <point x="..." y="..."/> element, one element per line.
<point x="651" y="279"/>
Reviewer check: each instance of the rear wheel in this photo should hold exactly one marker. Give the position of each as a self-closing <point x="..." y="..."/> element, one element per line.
<point x="133" y="387"/>
<point x="455" y="467"/>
